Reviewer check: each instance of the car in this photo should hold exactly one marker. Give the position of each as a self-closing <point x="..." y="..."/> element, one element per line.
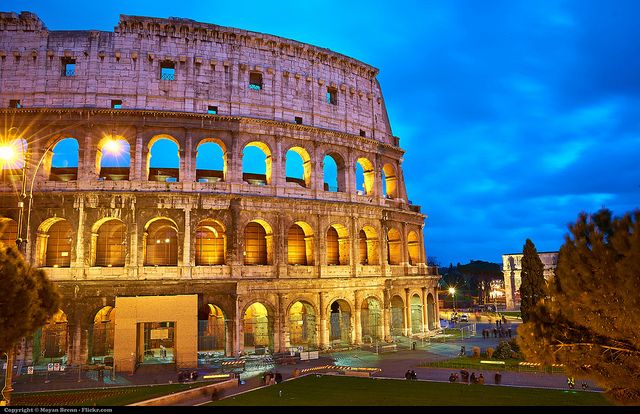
<point x="464" y="318"/>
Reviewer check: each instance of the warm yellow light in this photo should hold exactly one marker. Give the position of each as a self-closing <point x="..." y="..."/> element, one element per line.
<point x="452" y="290"/>
<point x="7" y="153"/>
<point x="112" y="146"/>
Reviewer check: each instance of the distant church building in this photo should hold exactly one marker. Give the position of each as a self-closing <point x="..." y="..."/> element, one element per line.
<point x="511" y="268"/>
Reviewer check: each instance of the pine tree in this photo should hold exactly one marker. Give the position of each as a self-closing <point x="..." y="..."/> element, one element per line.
<point x="590" y="321"/>
<point x="533" y="285"/>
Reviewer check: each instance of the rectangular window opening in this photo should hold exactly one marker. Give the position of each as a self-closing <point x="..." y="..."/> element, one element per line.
<point x="363" y="133"/>
<point x="116" y="103"/>
<point x="332" y="96"/>
<point x="167" y="71"/>
<point x="212" y="110"/>
<point x="68" y="67"/>
<point x="255" y="81"/>
<point x="299" y="120"/>
<point x="14" y="103"/>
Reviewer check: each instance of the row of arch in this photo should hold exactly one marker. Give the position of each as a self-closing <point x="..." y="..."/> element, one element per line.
<point x="110" y="241"/>
<point x="163" y="163"/>
<point x="302" y="325"/>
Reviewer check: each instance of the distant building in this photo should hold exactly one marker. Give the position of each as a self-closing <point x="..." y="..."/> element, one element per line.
<point x="511" y="268"/>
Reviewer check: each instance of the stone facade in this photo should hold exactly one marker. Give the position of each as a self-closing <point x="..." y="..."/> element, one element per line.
<point x="66" y="84"/>
<point x="512" y="267"/>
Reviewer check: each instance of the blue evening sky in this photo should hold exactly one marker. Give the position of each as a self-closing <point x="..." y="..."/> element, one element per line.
<point x="515" y="115"/>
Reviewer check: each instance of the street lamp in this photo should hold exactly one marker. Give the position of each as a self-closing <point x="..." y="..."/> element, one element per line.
<point x="452" y="291"/>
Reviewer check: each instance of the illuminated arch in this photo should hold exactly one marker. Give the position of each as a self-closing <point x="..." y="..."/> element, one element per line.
<point x="250" y="173"/>
<point x="365" y="176"/>
<point x="102" y="334"/>
<point x="334" y="172"/>
<point x="53" y="340"/>
<point x="161" y="165"/>
<point x="211" y="243"/>
<point x="211" y="161"/>
<point x="300" y="244"/>
<point x="9" y="229"/>
<point x="109" y="242"/>
<point x="368" y="249"/>
<point x="303" y="164"/>
<point x="258" y="330"/>
<point x="394" y="247"/>
<point x="258" y="243"/>
<point x="113" y="158"/>
<point x="340" y="323"/>
<point x="302" y="325"/>
<point x="161" y="242"/>
<point x="64" y="160"/>
<point x="416" y="314"/>
<point x="212" y="332"/>
<point x="371" y="320"/>
<point x="53" y="243"/>
<point x="337" y="244"/>
<point x="397" y="315"/>
<point x="413" y="245"/>
<point x="390" y="181"/>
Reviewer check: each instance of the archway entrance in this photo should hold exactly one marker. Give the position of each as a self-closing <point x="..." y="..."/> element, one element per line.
<point x="340" y="324"/>
<point x="302" y="325"/>
<point x="102" y="335"/>
<point x="371" y="321"/>
<point x="211" y="332"/>
<point x="416" y="314"/>
<point x="258" y="330"/>
<point x="397" y="316"/>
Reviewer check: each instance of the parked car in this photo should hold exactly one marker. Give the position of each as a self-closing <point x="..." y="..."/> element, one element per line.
<point x="464" y="318"/>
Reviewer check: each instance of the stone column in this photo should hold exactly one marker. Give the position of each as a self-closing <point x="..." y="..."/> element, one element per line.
<point x="139" y="159"/>
<point x="79" y="257"/>
<point x="238" y="340"/>
<point x="323" y="334"/>
<point x="386" y="315"/>
<point x="186" y="261"/>
<point x="407" y="313"/>
<point x="357" y="316"/>
<point x="188" y="167"/>
<point x="281" y="324"/>
<point x="425" y="313"/>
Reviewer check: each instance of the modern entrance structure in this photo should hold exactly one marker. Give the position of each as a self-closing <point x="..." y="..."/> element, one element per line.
<point x="206" y="190"/>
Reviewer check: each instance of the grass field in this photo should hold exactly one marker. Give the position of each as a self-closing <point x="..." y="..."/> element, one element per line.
<point x="116" y="396"/>
<point x="329" y="390"/>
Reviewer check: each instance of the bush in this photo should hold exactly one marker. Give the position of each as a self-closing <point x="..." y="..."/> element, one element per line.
<point x="503" y="350"/>
<point x="515" y="348"/>
<point x="490" y="352"/>
<point x="476" y="351"/>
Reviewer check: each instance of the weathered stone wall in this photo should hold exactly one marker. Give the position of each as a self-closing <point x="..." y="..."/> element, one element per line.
<point x="212" y="67"/>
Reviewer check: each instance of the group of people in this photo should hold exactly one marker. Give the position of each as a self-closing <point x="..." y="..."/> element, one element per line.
<point x="271" y="378"/>
<point x="471" y="379"/>
<point x="410" y="375"/>
<point x="184" y="376"/>
<point x="497" y="333"/>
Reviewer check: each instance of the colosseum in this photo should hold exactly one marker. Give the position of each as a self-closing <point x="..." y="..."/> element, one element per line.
<point x="199" y="191"/>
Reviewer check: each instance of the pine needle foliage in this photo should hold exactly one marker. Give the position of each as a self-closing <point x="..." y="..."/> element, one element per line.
<point x="590" y="322"/>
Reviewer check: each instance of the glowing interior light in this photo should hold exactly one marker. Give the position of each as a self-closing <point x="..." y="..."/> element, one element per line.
<point x="166" y="240"/>
<point x="112" y="146"/>
<point x="7" y="152"/>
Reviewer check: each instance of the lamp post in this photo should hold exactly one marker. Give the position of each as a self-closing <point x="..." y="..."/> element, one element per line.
<point x="452" y="291"/>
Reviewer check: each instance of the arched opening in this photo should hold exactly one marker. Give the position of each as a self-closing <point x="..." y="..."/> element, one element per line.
<point x="364" y="177"/>
<point x="298" y="167"/>
<point x="211" y="332"/>
<point x="340" y="324"/>
<point x="300" y="244"/>
<point x="110" y="237"/>
<point x="337" y="245"/>
<point x="211" y="161"/>
<point x="257" y="243"/>
<point x="397" y="316"/>
<point x="389" y="181"/>
<point x="211" y="243"/>
<point x="368" y="246"/>
<point x="302" y="325"/>
<point x="258" y="329"/>
<point x="53" y="340"/>
<point x="394" y="247"/>
<point x="161" y="243"/>
<point x="371" y="320"/>
<point x="102" y="334"/>
<point x="113" y="159"/>
<point x="8" y="231"/>
<point x="256" y="163"/>
<point x="416" y="314"/>
<point x="58" y="244"/>
<point x="163" y="160"/>
<point x="431" y="312"/>
<point x="64" y="161"/>
<point x="334" y="173"/>
<point x="413" y="245"/>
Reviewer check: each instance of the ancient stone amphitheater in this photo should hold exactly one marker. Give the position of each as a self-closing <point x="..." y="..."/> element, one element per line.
<point x="126" y="176"/>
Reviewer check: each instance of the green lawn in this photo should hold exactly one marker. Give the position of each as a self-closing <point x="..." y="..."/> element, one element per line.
<point x="471" y="363"/>
<point x="328" y="390"/>
<point x="100" y="396"/>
